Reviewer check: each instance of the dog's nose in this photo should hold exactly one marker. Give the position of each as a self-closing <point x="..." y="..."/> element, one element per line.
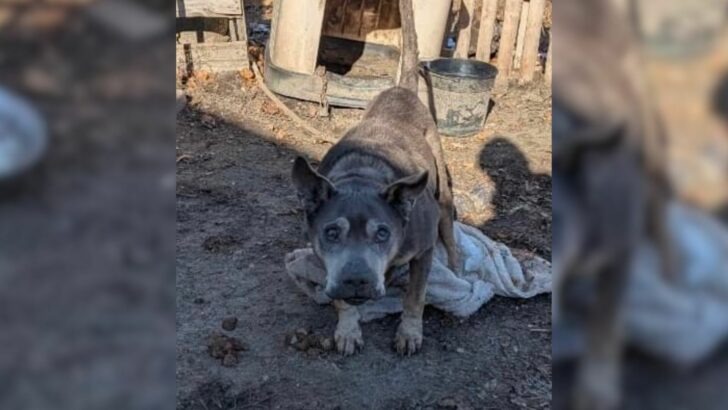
<point x="355" y="281"/>
<point x="359" y="282"/>
<point x="356" y="274"/>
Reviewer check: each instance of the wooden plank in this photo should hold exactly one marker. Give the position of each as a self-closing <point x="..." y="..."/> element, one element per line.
<point x="532" y="39"/>
<point x="352" y="17"/>
<point x="507" y="42"/>
<point x="208" y="8"/>
<point x="294" y="46"/>
<point x="465" y="23"/>
<point x="213" y="57"/>
<point x="333" y="17"/>
<point x="431" y="24"/>
<point x="370" y="16"/>
<point x="390" y="37"/>
<point x="549" y="62"/>
<point x="522" y="21"/>
<point x="238" y="30"/>
<point x="487" y="26"/>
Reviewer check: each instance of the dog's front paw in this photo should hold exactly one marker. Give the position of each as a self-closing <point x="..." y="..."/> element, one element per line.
<point x="598" y="387"/>
<point x="409" y="336"/>
<point x="348" y="338"/>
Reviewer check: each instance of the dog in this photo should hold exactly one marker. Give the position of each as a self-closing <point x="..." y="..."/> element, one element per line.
<point x="380" y="198"/>
<point x="610" y="187"/>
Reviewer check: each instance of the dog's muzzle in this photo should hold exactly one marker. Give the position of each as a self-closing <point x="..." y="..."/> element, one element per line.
<point x="355" y="284"/>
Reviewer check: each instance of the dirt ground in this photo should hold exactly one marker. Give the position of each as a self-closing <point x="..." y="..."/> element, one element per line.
<point x="87" y="238"/>
<point x="237" y="216"/>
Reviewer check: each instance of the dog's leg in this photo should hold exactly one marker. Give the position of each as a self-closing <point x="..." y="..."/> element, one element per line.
<point x="598" y="385"/>
<point x="447" y="234"/>
<point x="409" y="333"/>
<point x="348" y="333"/>
<point x="445" y="200"/>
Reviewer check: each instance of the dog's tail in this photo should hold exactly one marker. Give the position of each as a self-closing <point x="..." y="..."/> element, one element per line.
<point x="408" y="70"/>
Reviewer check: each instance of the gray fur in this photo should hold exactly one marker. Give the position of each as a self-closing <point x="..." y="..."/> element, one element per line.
<point x="385" y="173"/>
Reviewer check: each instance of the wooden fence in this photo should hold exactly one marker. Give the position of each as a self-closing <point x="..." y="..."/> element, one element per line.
<point x="521" y="27"/>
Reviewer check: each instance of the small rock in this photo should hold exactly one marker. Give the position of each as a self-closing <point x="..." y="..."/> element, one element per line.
<point x="208" y="121"/>
<point x="40" y="80"/>
<point x="269" y="108"/>
<point x="460" y="350"/>
<point x="304" y="340"/>
<point x="327" y="343"/>
<point x="491" y="384"/>
<point x="220" y="244"/>
<point x="303" y="345"/>
<point x="220" y="347"/>
<point x="247" y="74"/>
<point x="448" y="403"/>
<point x="230" y="323"/>
<point x="229" y="360"/>
<point x="181" y="100"/>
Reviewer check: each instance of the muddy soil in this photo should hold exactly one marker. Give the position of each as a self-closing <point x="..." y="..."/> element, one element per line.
<point x="238" y="215"/>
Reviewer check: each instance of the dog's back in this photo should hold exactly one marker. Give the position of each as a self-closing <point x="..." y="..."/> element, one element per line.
<point x="392" y="134"/>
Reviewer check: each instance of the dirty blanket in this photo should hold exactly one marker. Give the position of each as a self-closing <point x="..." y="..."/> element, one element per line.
<point x="685" y="319"/>
<point x="488" y="268"/>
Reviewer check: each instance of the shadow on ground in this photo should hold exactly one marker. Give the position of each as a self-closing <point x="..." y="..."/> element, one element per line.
<point x="521" y="201"/>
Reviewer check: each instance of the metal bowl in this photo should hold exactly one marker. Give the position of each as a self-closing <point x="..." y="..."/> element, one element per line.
<point x="23" y="136"/>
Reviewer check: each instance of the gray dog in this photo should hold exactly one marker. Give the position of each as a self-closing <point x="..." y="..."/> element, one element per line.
<point x="378" y="200"/>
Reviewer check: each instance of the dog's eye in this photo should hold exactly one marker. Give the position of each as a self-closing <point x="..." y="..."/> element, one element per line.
<point x="332" y="234"/>
<point x="382" y="235"/>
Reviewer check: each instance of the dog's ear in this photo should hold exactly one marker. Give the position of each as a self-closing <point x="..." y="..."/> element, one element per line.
<point x="403" y="193"/>
<point x="313" y="188"/>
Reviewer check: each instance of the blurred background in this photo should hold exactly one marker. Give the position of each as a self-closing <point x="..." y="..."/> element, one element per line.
<point x="640" y="197"/>
<point x="87" y="208"/>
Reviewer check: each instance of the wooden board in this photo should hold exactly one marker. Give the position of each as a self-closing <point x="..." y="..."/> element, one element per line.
<point x="467" y="11"/>
<point x="213" y="57"/>
<point x="296" y="34"/>
<point x="487" y="25"/>
<point x="208" y="8"/>
<point x="511" y="14"/>
<point x="532" y="40"/>
<point x="522" y="22"/>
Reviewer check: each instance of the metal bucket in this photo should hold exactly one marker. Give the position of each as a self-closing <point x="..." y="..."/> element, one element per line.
<point x="459" y="93"/>
<point x="23" y="136"/>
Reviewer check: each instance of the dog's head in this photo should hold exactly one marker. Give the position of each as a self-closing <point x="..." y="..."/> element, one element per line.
<point x="356" y="230"/>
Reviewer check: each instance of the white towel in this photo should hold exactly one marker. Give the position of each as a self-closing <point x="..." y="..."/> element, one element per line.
<point x="489" y="268"/>
<point x="684" y="320"/>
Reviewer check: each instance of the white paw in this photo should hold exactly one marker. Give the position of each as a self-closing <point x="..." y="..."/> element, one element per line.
<point x="408" y="339"/>
<point x="348" y="337"/>
<point x="598" y="387"/>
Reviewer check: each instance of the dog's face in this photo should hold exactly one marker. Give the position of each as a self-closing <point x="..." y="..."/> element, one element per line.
<point x="355" y="232"/>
